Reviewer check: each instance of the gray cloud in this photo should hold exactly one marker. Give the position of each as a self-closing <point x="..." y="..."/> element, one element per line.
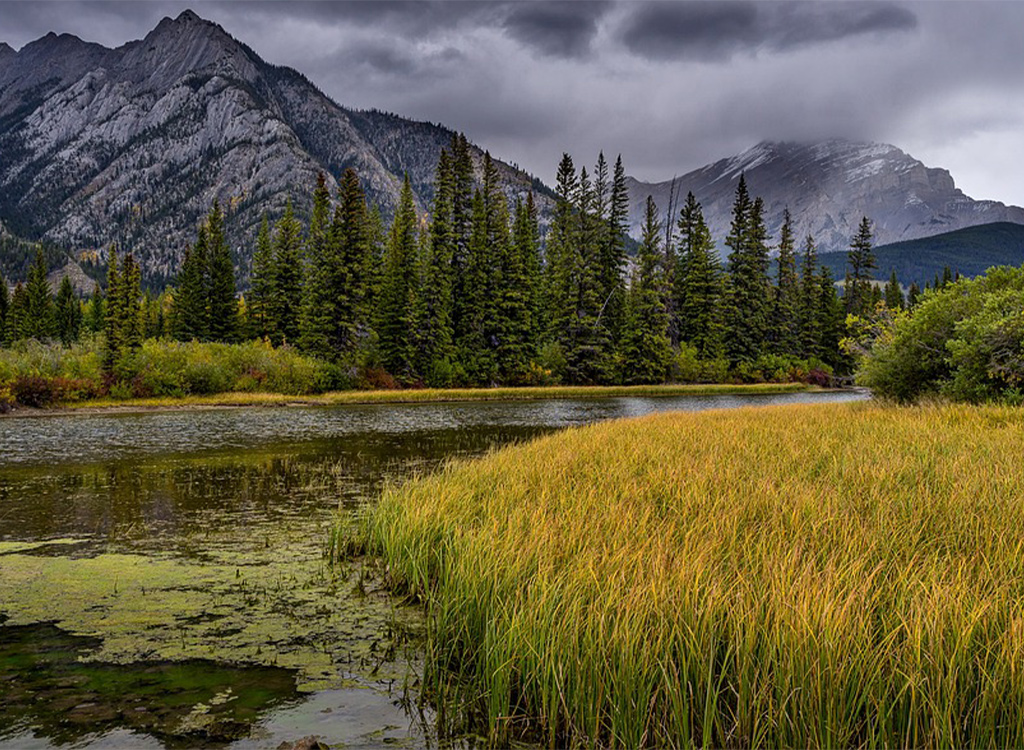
<point x="716" y="31"/>
<point x="671" y="85"/>
<point x="559" y="29"/>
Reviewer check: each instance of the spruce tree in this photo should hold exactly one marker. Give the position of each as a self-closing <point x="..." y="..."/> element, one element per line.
<point x="94" y="316"/>
<point x="894" y="293"/>
<point x="318" y="317"/>
<point x="559" y="252"/>
<point x="113" y="314"/>
<point x="461" y="230"/>
<point x="129" y="310"/>
<point x="397" y="305"/>
<point x="353" y="266"/>
<point x="808" y="308"/>
<point x="68" y="314"/>
<point x="38" y="322"/>
<point x="5" y="305"/>
<point x="645" y="344"/>
<point x="515" y="332"/>
<point x="861" y="260"/>
<point x="16" y="313"/>
<point x="222" y="299"/>
<point x="586" y="342"/>
<point x="287" y="300"/>
<point x="786" y="324"/>
<point x="261" y="285"/>
<point x="614" y="259"/>
<point x="436" y="326"/>
<point x="913" y="295"/>
<point x="191" y="313"/>
<point x="831" y="321"/>
<point x="747" y="312"/>
<point x="698" y="286"/>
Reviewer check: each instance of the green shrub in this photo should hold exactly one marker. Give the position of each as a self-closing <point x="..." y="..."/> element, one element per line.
<point x="965" y="342"/>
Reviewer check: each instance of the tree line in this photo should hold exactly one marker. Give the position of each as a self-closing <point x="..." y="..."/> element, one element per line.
<point x="472" y="292"/>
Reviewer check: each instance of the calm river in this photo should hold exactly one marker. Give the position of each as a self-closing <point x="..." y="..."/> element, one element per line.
<point x="163" y="580"/>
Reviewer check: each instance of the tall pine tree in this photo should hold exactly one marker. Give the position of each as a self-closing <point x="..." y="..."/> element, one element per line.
<point x="786" y="323"/>
<point x="5" y="306"/>
<point x="68" y="314"/>
<point x="861" y="260"/>
<point x="396" y="310"/>
<point x="38" y="322"/>
<point x="747" y="312"/>
<point x="808" y="307"/>
<point x="645" y="344"/>
<point x="318" y="316"/>
<point x="285" y="305"/>
<point x="698" y="286"/>
<point x="261" y="285"/>
<point x="222" y="299"/>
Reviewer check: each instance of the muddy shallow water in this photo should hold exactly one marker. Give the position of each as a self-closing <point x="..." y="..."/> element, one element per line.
<point x="163" y="580"/>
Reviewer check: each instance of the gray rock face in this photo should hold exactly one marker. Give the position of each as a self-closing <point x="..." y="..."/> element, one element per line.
<point x="131" y="145"/>
<point x="828" y="186"/>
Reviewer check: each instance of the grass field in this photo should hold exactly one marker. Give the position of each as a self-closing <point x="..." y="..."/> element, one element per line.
<point x="424" y="395"/>
<point x="799" y="576"/>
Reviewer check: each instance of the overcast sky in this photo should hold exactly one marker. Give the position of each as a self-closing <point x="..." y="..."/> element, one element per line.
<point x="669" y="85"/>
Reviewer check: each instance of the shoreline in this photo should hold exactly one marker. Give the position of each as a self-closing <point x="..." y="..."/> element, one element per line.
<point x="413" y="396"/>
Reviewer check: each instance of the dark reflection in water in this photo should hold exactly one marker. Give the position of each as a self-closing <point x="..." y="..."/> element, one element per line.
<point x="49" y="688"/>
<point x="229" y="512"/>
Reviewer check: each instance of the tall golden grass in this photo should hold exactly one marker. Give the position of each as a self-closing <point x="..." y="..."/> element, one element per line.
<point x="800" y="576"/>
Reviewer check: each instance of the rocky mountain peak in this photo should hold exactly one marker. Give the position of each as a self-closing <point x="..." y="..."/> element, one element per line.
<point x="6" y="49"/>
<point x="828" y="186"/>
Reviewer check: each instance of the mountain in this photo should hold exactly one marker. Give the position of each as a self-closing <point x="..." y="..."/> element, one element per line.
<point x="131" y="145"/>
<point x="828" y="186"/>
<point x="970" y="251"/>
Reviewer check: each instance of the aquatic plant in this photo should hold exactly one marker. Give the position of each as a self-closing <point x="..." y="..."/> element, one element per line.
<point x="798" y="576"/>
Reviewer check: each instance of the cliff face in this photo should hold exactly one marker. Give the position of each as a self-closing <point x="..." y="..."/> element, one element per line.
<point x="131" y="145"/>
<point x="828" y="186"/>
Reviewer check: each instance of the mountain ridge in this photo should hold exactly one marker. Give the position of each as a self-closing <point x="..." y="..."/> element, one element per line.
<point x="828" y="186"/>
<point x="132" y="144"/>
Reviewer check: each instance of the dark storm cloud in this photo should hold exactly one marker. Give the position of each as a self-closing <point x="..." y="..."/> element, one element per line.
<point x="558" y="29"/>
<point x="717" y="31"/>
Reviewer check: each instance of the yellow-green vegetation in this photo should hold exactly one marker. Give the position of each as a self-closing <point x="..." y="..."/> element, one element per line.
<point x="798" y="576"/>
<point x="429" y="395"/>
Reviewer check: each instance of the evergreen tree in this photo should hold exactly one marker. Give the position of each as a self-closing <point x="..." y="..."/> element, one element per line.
<point x="809" y="308"/>
<point x="38" y="321"/>
<point x="16" y="313"/>
<point x="222" y="298"/>
<point x="318" y="317"/>
<point x="698" y="287"/>
<point x="94" y="317"/>
<point x="913" y="294"/>
<point x="645" y="345"/>
<point x="748" y="308"/>
<point x="285" y="304"/>
<point x="113" y="315"/>
<point x="68" y="314"/>
<point x="786" y="328"/>
<point x="831" y="321"/>
<point x="516" y="345"/>
<point x="461" y="231"/>
<point x="861" y="260"/>
<point x="585" y="341"/>
<point x="353" y="265"/>
<point x="261" y="286"/>
<point x="559" y="252"/>
<point x="191" y="312"/>
<point x="398" y="292"/>
<point x="610" y="213"/>
<point x="894" y="293"/>
<point x="437" y="349"/>
<point x="5" y="305"/>
<point x="129" y="310"/>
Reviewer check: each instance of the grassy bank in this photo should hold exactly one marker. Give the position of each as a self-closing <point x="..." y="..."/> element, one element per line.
<point x="800" y="576"/>
<point x="428" y="395"/>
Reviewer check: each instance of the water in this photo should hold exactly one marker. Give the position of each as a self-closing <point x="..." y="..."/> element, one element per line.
<point x="162" y="578"/>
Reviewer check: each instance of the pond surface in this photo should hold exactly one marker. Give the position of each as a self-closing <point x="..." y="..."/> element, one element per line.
<point x="163" y="580"/>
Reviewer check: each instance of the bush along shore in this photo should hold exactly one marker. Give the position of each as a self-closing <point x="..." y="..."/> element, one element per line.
<point x="799" y="576"/>
<point x="164" y="372"/>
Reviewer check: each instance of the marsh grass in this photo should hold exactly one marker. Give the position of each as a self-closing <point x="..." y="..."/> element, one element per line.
<point x="799" y="576"/>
